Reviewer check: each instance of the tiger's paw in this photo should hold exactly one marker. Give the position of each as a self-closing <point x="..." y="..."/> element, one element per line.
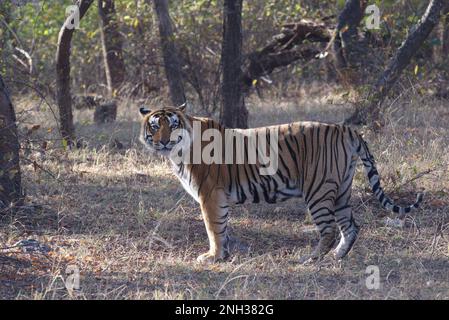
<point x="308" y="259"/>
<point x="209" y="258"/>
<point x="206" y="258"/>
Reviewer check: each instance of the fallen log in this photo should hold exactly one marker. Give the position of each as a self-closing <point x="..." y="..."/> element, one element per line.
<point x="297" y="41"/>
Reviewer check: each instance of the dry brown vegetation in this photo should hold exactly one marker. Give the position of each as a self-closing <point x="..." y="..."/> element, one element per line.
<point x="125" y="221"/>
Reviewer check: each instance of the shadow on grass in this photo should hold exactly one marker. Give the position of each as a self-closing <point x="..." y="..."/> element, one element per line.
<point x="412" y="279"/>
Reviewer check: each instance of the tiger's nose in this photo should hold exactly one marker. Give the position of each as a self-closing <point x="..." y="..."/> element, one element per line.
<point x="164" y="142"/>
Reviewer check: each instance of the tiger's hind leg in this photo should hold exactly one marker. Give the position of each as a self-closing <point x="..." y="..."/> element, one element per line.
<point x="320" y="208"/>
<point x="349" y="229"/>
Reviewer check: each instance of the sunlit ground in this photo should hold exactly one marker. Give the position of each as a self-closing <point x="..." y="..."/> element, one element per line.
<point x="121" y="218"/>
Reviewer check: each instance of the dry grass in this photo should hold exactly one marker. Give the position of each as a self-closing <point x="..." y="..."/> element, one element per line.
<point x="126" y="223"/>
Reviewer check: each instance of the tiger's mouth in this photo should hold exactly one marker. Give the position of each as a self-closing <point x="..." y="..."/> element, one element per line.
<point x="161" y="148"/>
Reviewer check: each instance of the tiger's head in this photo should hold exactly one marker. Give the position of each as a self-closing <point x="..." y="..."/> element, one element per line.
<point x="164" y="129"/>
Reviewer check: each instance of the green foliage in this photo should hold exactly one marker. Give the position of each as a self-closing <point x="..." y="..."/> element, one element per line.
<point x="198" y="32"/>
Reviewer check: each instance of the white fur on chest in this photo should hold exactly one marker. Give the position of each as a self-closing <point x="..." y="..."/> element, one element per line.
<point x="185" y="183"/>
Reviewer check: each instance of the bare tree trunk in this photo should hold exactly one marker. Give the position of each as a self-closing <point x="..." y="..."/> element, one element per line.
<point x="445" y="35"/>
<point x="5" y="13"/>
<point x="63" y="95"/>
<point x="233" y="112"/>
<point x="10" y="179"/>
<point x="170" y="54"/>
<point x="346" y="42"/>
<point x="370" y="111"/>
<point x="112" y="44"/>
<point x="347" y="51"/>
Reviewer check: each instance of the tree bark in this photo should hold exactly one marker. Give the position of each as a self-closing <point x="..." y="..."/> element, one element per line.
<point x="445" y="35"/>
<point x="112" y="44"/>
<point x="370" y="111"/>
<point x="345" y="46"/>
<point x="5" y="12"/>
<point x="170" y="54"/>
<point x="63" y="94"/>
<point x="10" y="178"/>
<point x="233" y="112"/>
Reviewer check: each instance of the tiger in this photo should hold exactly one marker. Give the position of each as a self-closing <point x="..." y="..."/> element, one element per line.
<point x="316" y="162"/>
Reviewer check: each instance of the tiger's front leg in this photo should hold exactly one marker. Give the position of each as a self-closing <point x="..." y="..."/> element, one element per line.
<point x="215" y="210"/>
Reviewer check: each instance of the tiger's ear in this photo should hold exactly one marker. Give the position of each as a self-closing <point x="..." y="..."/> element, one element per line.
<point x="144" y="111"/>
<point x="182" y="107"/>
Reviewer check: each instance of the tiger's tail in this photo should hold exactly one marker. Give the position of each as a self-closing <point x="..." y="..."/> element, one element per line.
<point x="374" y="181"/>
